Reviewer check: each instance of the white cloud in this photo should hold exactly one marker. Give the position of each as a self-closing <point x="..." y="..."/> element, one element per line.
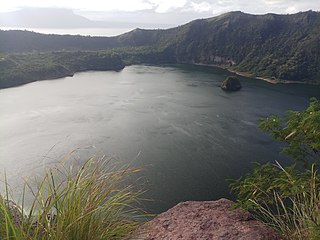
<point x="92" y="5"/>
<point x="201" y="7"/>
<point x="163" y="6"/>
<point x="159" y="6"/>
<point x="225" y="2"/>
<point x="274" y="1"/>
<point x="117" y="5"/>
<point x="158" y="13"/>
<point x="291" y="9"/>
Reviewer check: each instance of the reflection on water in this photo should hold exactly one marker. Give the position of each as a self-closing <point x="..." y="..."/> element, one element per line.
<point x="188" y="139"/>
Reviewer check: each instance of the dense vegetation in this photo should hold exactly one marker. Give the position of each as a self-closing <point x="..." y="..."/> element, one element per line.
<point x="288" y="198"/>
<point x="95" y="201"/>
<point x="275" y="46"/>
<point x="20" y="68"/>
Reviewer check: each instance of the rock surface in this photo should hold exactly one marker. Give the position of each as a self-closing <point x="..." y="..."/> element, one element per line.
<point x="203" y="221"/>
<point x="231" y="84"/>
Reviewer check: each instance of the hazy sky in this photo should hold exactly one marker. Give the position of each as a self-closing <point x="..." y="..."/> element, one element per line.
<point x="172" y="12"/>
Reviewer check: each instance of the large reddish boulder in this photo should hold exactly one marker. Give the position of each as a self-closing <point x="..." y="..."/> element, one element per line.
<point x="205" y="221"/>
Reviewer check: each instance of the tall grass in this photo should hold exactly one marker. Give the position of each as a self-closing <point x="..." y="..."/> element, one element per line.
<point x="95" y="201"/>
<point x="288" y="201"/>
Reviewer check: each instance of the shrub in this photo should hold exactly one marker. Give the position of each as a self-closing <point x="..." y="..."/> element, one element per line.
<point x="288" y="198"/>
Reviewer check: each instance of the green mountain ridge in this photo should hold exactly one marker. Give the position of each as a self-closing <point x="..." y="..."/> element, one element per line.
<point x="21" y="68"/>
<point x="280" y="46"/>
<point x="285" y="47"/>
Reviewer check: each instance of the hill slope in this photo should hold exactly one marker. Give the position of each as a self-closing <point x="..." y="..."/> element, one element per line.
<point x="275" y="46"/>
<point x="20" y="68"/>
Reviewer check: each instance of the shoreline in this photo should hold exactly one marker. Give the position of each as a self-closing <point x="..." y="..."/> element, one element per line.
<point x="250" y="75"/>
<point x="69" y="73"/>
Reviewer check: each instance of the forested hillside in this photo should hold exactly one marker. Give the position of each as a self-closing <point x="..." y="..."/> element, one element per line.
<point x="283" y="47"/>
<point x="20" y="68"/>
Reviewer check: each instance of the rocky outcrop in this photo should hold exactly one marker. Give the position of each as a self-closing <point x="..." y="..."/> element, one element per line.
<point x="205" y="221"/>
<point x="231" y="84"/>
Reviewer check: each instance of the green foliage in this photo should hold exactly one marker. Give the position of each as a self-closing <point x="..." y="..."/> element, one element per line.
<point x="17" y="69"/>
<point x="300" y="130"/>
<point x="95" y="201"/>
<point x="284" y="47"/>
<point x="288" y="198"/>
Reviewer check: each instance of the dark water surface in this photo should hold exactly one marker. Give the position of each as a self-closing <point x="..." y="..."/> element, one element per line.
<point x="175" y="121"/>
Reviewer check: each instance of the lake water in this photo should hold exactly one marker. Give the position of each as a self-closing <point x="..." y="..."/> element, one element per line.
<point x="174" y="121"/>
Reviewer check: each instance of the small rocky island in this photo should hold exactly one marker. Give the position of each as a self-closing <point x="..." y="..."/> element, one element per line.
<point x="231" y="84"/>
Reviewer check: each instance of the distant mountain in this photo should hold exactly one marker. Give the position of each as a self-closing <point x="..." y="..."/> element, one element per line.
<point x="61" y="18"/>
<point x="44" y="18"/>
<point x="275" y="46"/>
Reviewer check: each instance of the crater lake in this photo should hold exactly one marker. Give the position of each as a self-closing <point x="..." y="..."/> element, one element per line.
<point x="174" y="122"/>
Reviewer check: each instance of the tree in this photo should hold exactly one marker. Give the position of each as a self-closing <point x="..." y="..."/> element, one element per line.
<point x="288" y="198"/>
<point x="300" y="130"/>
